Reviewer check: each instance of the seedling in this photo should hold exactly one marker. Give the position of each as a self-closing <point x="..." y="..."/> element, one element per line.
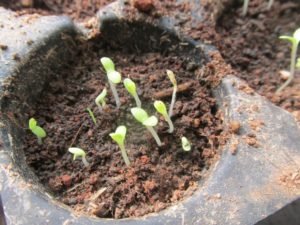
<point x="245" y="7"/>
<point x="172" y="78"/>
<point x="270" y="4"/>
<point x="91" y="115"/>
<point x="186" y="145"/>
<point x="131" y="88"/>
<point x="119" y="137"/>
<point x="149" y="122"/>
<point x="100" y="100"/>
<point x="161" y="108"/>
<point x="37" y="130"/>
<point x="79" y="153"/>
<point x="113" y="76"/>
<point x="295" y="39"/>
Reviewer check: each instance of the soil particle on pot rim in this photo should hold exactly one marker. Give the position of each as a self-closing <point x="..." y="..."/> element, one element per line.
<point x="158" y="176"/>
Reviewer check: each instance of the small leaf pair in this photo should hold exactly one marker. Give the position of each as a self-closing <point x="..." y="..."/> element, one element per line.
<point x="37" y="130"/>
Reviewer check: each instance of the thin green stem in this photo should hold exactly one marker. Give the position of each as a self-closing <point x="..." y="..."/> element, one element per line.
<point x="171" y="126"/>
<point x="154" y="134"/>
<point x="124" y="155"/>
<point x="85" y="162"/>
<point x="292" y="67"/>
<point x="245" y="7"/>
<point x="137" y="101"/>
<point x="40" y="142"/>
<point x="270" y="4"/>
<point x="115" y="93"/>
<point x="172" y="101"/>
<point x="92" y="115"/>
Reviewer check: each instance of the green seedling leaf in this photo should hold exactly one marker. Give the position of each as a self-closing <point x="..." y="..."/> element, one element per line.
<point x="114" y="77"/>
<point x="108" y="64"/>
<point x="91" y="115"/>
<point x="160" y="107"/>
<point x="151" y="121"/>
<point x="139" y="114"/>
<point x="77" y="152"/>
<point x="119" y="135"/>
<point x="288" y="38"/>
<point x="130" y="86"/>
<point x="38" y="131"/>
<point x="100" y="100"/>
<point x="172" y="78"/>
<point x="32" y="123"/>
<point x="296" y="35"/>
<point x="186" y="145"/>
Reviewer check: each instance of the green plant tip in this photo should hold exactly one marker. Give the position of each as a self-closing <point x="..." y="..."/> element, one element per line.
<point x="186" y="145"/>
<point x="91" y="115"/>
<point x="119" y="135"/>
<point x="108" y="64"/>
<point x="130" y="86"/>
<point x="77" y="152"/>
<point x="172" y="78"/>
<point x="161" y="107"/>
<point x="139" y="114"/>
<point x="151" y="121"/>
<point x="101" y="98"/>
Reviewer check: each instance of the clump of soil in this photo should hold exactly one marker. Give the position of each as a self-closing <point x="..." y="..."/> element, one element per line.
<point x="77" y="10"/>
<point x="158" y="176"/>
<point x="251" y="45"/>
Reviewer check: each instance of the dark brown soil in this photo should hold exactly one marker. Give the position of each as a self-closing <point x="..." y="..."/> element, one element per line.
<point x="251" y="45"/>
<point x="158" y="176"/>
<point x="77" y="9"/>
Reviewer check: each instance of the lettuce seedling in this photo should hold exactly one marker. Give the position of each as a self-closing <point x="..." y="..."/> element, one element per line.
<point x="149" y="122"/>
<point x="37" y="130"/>
<point x="113" y="76"/>
<point x="131" y="88"/>
<point x="172" y="78"/>
<point x="91" y="115"/>
<point x="100" y="100"/>
<point x="186" y="145"/>
<point x="295" y="39"/>
<point x="119" y="137"/>
<point x="78" y="152"/>
<point x="161" y="108"/>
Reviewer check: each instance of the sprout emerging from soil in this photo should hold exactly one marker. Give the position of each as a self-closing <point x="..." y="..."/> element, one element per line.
<point x="119" y="137"/>
<point x="100" y="100"/>
<point x="295" y="39"/>
<point x="91" y="115"/>
<point x="131" y="88"/>
<point x="161" y="108"/>
<point x="245" y="7"/>
<point x="77" y="153"/>
<point x="149" y="122"/>
<point x="186" y="145"/>
<point x="270" y="4"/>
<point x="113" y="76"/>
<point x="37" y="130"/>
<point x="172" y="78"/>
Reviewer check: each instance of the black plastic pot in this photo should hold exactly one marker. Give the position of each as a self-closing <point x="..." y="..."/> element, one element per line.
<point x="240" y="189"/>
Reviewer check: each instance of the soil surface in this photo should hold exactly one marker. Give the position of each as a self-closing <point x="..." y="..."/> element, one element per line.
<point x="77" y="9"/>
<point x="251" y="45"/>
<point x="158" y="176"/>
